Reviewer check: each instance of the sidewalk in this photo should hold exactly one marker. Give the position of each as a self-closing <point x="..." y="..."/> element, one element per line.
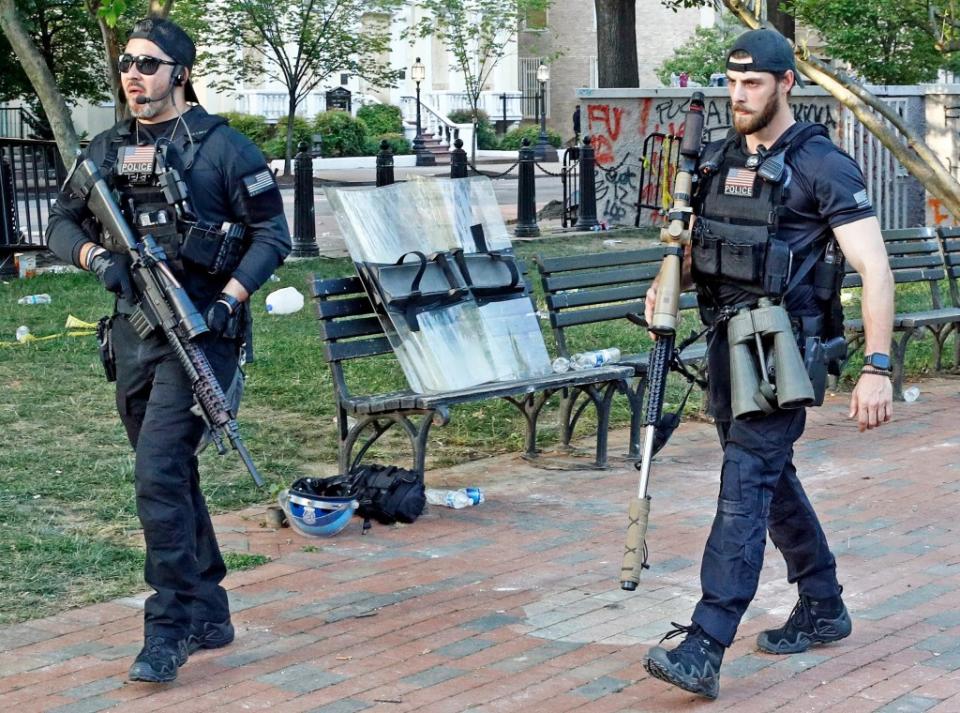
<point x="514" y="605"/>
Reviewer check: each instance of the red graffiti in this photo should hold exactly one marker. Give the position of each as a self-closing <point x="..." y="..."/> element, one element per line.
<point x="607" y="118"/>
<point x="603" y="150"/>
<point x="644" y="115"/>
<point x="940" y="216"/>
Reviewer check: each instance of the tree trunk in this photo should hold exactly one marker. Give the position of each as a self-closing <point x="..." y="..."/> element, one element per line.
<point x="42" y="80"/>
<point x="784" y="23"/>
<point x="904" y="143"/>
<point x="617" y="43"/>
<point x="288" y="152"/>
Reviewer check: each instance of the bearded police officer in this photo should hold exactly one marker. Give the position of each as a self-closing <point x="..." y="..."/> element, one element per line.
<point x="773" y="203"/>
<point x="223" y="240"/>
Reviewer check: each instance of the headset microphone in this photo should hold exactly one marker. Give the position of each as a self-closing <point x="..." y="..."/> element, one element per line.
<point x="173" y="82"/>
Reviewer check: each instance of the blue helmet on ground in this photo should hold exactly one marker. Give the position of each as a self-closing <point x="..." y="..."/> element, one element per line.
<point x="317" y="516"/>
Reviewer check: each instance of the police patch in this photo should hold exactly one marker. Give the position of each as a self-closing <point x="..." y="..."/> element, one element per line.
<point x="259" y="182"/>
<point x="136" y="162"/>
<point x="739" y="182"/>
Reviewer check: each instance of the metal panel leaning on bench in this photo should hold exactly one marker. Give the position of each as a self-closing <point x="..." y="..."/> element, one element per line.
<point x="350" y="329"/>
<point x="915" y="258"/>
<point x="599" y="287"/>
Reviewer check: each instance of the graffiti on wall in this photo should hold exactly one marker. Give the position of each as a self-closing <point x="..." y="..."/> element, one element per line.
<point x="619" y="127"/>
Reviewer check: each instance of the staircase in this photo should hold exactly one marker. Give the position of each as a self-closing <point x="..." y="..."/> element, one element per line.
<point x="440" y="152"/>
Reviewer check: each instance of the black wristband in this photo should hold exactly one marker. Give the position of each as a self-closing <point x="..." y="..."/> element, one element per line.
<point x="230" y="301"/>
<point x="874" y="370"/>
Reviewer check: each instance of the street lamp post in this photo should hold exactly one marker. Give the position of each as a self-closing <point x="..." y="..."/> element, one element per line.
<point x="543" y="151"/>
<point x="424" y="158"/>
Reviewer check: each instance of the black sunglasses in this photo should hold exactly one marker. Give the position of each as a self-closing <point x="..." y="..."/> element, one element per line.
<point x="146" y="64"/>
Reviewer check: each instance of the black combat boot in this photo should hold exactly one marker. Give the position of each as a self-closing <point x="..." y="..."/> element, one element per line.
<point x="159" y="660"/>
<point x="812" y="621"/>
<point x="209" y="635"/>
<point x="693" y="666"/>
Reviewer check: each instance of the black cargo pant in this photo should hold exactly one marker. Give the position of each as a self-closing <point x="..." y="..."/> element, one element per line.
<point x="183" y="562"/>
<point x="759" y="493"/>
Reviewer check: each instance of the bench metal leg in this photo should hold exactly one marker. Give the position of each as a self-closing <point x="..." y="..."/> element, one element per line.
<point x="572" y="407"/>
<point x="635" y="397"/>
<point x="899" y="355"/>
<point x="530" y="405"/>
<point x="381" y="423"/>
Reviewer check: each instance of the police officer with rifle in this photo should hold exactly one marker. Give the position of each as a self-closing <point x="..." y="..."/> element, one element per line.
<point x="776" y="208"/>
<point x="178" y="215"/>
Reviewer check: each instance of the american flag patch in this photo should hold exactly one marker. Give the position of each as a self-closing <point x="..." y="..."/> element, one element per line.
<point x="136" y="160"/>
<point x="259" y="182"/>
<point x="739" y="182"/>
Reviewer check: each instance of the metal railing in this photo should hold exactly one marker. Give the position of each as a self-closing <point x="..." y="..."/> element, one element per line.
<point x="661" y="156"/>
<point x="432" y="121"/>
<point x="570" y="177"/>
<point x="33" y="173"/>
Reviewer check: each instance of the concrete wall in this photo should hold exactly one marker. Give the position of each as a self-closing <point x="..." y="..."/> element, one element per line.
<point x="619" y="120"/>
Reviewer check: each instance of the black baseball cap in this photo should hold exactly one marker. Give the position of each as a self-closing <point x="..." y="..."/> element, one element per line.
<point x="769" y="52"/>
<point x="170" y="37"/>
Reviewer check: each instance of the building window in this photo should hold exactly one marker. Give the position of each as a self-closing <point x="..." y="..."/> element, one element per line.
<point x="403" y="73"/>
<point x="344" y="79"/>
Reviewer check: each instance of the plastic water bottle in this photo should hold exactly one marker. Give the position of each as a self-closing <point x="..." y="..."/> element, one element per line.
<point x="599" y="357"/>
<point x="43" y="299"/>
<point x="912" y="394"/>
<point x="463" y="498"/>
<point x="23" y="331"/>
<point x="561" y="365"/>
<point x="285" y="301"/>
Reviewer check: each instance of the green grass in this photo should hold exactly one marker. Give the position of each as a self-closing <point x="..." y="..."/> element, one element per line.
<point x="69" y="534"/>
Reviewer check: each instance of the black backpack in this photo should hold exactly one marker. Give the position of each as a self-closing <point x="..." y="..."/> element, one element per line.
<point x="384" y="493"/>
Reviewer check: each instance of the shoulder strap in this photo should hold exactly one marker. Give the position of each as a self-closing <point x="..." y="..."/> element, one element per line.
<point x="117" y="137"/>
<point x="201" y="125"/>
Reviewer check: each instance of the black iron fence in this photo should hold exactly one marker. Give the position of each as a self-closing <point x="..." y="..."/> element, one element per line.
<point x="570" y="177"/>
<point x="31" y="173"/>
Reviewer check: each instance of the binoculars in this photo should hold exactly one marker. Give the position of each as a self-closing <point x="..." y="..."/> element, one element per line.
<point x="766" y="369"/>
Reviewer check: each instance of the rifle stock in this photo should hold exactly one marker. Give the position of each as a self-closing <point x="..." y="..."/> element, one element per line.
<point x="165" y="305"/>
<point x="675" y="236"/>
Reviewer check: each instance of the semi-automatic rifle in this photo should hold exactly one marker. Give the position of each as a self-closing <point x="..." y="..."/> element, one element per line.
<point x="163" y="304"/>
<point x="675" y="237"/>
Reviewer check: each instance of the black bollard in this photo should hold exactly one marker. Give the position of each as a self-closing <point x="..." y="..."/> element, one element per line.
<point x="458" y="160"/>
<point x="384" y="165"/>
<point x="304" y="226"/>
<point x="587" y="212"/>
<point x="9" y="228"/>
<point x="526" y="195"/>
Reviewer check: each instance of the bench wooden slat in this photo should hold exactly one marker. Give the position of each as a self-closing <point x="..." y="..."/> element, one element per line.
<point x="349" y="307"/>
<point x="586" y="298"/>
<point x="597" y="278"/>
<point x="592" y="261"/>
<point x="334" y="286"/>
<point x="910" y="261"/>
<point x="344" y="351"/>
<point x="572" y="318"/>
<point x="909" y="233"/>
<point x="333" y="330"/>
<point x="913" y="320"/>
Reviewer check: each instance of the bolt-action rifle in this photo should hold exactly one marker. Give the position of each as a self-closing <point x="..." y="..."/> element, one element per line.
<point x="675" y="236"/>
<point x="163" y="304"/>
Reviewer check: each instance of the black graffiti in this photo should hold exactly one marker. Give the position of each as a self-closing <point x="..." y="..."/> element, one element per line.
<point x="819" y="113"/>
<point x="617" y="190"/>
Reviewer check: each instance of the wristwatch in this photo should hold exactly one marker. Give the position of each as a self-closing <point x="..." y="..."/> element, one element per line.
<point x="877" y="361"/>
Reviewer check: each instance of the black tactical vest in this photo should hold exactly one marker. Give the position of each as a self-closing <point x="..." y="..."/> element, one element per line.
<point x="737" y="256"/>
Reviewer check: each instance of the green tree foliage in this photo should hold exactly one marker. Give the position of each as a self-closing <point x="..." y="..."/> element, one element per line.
<point x="885" y="41"/>
<point x="253" y="126"/>
<point x="300" y="45"/>
<point x="69" y="43"/>
<point x="486" y="136"/>
<point x="703" y="54"/>
<point x="381" y="118"/>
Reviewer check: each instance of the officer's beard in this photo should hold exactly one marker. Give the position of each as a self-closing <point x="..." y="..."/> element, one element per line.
<point x="149" y="110"/>
<point x="747" y="124"/>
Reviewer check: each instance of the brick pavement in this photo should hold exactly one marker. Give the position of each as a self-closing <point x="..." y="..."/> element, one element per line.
<point x="515" y="606"/>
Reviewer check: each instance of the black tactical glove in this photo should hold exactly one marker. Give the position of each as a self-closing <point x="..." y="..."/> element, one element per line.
<point x="220" y="314"/>
<point x="113" y="270"/>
